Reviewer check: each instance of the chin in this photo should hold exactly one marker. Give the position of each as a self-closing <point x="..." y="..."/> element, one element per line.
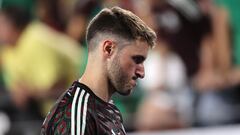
<point x="126" y="92"/>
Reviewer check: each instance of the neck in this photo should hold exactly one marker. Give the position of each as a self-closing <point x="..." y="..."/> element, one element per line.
<point x="96" y="80"/>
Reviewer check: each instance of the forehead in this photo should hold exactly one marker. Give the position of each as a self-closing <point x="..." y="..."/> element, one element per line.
<point x="137" y="48"/>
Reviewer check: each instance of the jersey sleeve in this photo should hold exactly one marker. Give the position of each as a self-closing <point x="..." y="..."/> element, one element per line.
<point x="73" y="115"/>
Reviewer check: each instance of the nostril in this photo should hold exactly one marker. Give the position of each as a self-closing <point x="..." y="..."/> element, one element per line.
<point x="139" y="75"/>
<point x="140" y="71"/>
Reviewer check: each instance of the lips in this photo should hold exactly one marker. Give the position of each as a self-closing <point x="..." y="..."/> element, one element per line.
<point x="134" y="83"/>
<point x="134" y="78"/>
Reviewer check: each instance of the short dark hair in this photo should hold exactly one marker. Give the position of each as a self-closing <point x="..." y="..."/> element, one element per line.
<point x="122" y="23"/>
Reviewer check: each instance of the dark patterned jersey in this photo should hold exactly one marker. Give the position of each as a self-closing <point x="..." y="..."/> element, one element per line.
<point x="80" y="112"/>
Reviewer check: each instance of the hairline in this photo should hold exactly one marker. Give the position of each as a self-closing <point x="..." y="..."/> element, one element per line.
<point x="100" y="36"/>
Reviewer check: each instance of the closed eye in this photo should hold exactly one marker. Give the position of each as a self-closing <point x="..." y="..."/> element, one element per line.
<point x="138" y="59"/>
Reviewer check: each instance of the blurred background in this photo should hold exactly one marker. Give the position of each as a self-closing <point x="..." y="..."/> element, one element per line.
<point x="192" y="75"/>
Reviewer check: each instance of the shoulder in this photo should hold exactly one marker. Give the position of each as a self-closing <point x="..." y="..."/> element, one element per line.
<point x="71" y="113"/>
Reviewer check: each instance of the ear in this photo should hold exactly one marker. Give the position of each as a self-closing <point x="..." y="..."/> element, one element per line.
<point x="108" y="48"/>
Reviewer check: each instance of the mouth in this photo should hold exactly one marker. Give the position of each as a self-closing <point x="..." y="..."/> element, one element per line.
<point x="134" y="78"/>
<point x="134" y="83"/>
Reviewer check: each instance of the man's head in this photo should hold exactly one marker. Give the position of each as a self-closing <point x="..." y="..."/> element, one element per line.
<point x="123" y="40"/>
<point x="121" y="23"/>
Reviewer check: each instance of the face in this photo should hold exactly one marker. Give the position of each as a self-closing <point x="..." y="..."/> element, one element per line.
<point x="126" y="67"/>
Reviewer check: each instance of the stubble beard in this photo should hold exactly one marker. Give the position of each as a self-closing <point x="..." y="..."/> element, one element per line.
<point x="118" y="79"/>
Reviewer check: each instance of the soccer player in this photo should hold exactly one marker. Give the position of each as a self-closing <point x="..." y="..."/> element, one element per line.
<point x="118" y="43"/>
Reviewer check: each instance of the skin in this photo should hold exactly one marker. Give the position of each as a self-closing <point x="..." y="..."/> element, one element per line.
<point x="113" y="69"/>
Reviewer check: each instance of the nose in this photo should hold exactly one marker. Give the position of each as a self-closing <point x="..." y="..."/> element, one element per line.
<point x="140" y="73"/>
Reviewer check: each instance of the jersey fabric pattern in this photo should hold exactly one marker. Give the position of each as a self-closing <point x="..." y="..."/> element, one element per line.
<point x="80" y="112"/>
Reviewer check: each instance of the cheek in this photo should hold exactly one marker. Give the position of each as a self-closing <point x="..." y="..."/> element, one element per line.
<point x="128" y="67"/>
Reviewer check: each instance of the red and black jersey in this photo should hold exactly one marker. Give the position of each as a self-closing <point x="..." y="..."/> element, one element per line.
<point x="80" y="112"/>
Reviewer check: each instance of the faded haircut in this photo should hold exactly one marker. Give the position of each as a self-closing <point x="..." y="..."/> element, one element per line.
<point x="121" y="23"/>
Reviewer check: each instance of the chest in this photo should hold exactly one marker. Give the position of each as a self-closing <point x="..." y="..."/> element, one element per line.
<point x="109" y="121"/>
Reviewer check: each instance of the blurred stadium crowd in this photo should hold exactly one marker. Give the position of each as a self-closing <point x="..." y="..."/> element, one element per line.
<point x="192" y="75"/>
